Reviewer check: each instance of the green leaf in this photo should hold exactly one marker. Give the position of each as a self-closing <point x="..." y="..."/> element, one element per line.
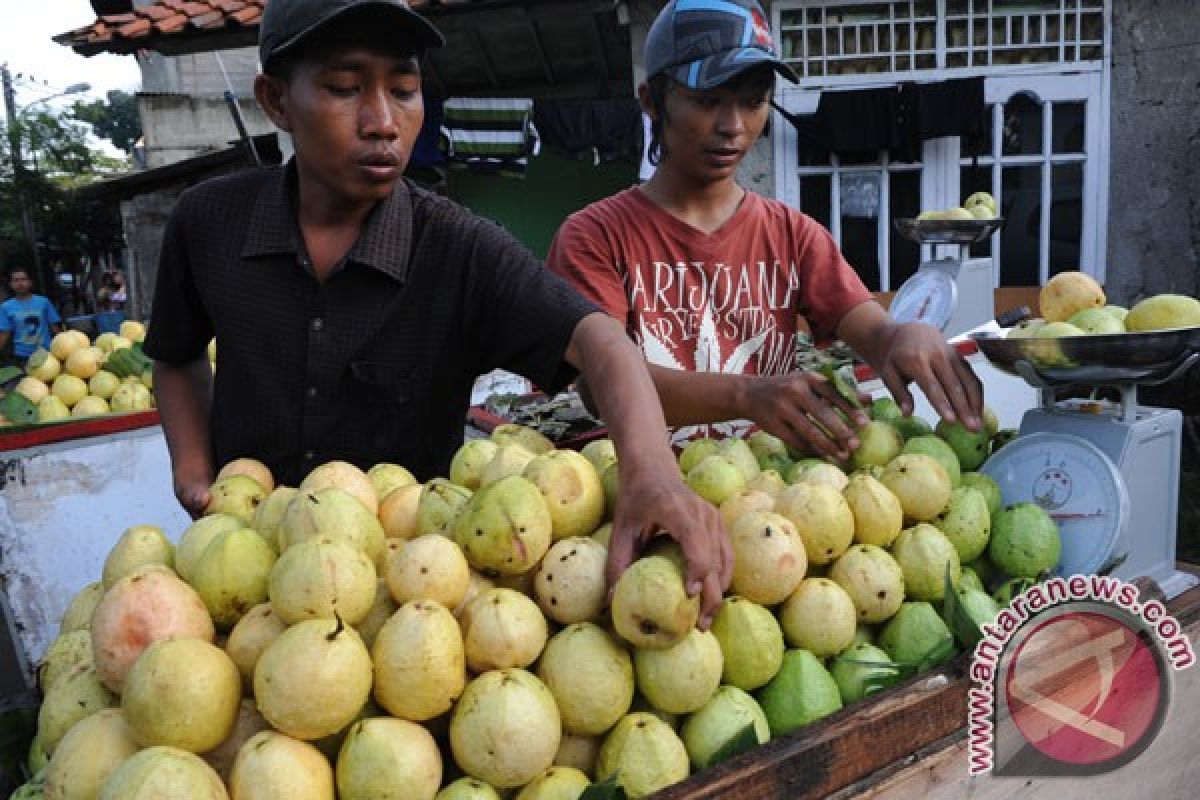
<point x="17" y="409"/>
<point x="843" y="381"/>
<point x="604" y="790"/>
<point x="961" y="625"/>
<point x="938" y="655"/>
<point x="8" y="374"/>
<point x="743" y="741"/>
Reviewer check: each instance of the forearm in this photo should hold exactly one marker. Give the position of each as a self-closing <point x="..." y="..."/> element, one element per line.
<point x="623" y="393"/>
<point x="697" y="398"/>
<point x="869" y="331"/>
<point x="183" y="393"/>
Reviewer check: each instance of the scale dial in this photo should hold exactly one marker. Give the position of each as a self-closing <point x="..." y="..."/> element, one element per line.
<point x="930" y="296"/>
<point x="1076" y="483"/>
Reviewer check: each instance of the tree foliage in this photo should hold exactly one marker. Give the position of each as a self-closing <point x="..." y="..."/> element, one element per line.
<point x="115" y="118"/>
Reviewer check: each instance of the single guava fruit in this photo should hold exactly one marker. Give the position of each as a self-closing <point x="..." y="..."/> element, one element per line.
<point x="420" y="668"/>
<point x="694" y="452"/>
<point x="398" y="512"/>
<point x="878" y="516"/>
<point x="502" y="628"/>
<point x="313" y="678"/>
<point x="1097" y="322"/>
<point x="182" y="693"/>
<point x="743" y="503"/>
<point x="345" y="476"/>
<point x="231" y="575"/>
<point x="572" y="489"/>
<point x="920" y="483"/>
<point x="1025" y="541"/>
<point x="238" y="495"/>
<point x="644" y="754"/>
<point x="579" y="752"/>
<point x="141" y="608"/>
<point x="650" y="605"/>
<point x="163" y="773"/>
<point x="680" y="679"/>
<point x="257" y="628"/>
<point x="1164" y="312"/>
<point x="506" y="728"/>
<point x="822" y="518"/>
<point x="381" y="611"/>
<point x="738" y="453"/>
<point x="878" y="443"/>
<point x="386" y="478"/>
<point x="250" y="467"/>
<point x="766" y="446"/>
<point x="556" y="783"/>
<point x="769" y="481"/>
<point x="751" y="643"/>
<point x="382" y="754"/>
<point x="268" y="517"/>
<point x="68" y="651"/>
<point x="467" y="789"/>
<point x="506" y="527"/>
<point x="1067" y="293"/>
<point x="862" y="670"/>
<point x="90" y="751"/>
<point x="591" y="677"/>
<point x="924" y="554"/>
<point x="802" y="692"/>
<point x="570" y="584"/>
<point x="75" y="696"/>
<point x="935" y="447"/>
<point x="530" y="439"/>
<point x="1025" y="329"/>
<point x="966" y="522"/>
<point x="916" y="631"/>
<point x="716" y="479"/>
<point x="823" y="473"/>
<point x="819" y="616"/>
<point x="979" y="606"/>
<point x="722" y="718"/>
<point x="271" y="765"/>
<point x="196" y="538"/>
<point x="872" y="579"/>
<point x="78" y="616"/>
<point x="320" y="578"/>
<point x="885" y="409"/>
<point x="509" y="460"/>
<point x="429" y="567"/>
<point x="466" y="468"/>
<point x="332" y="513"/>
<point x="601" y="452"/>
<point x="970" y="447"/>
<point x="769" y="557"/>
<point x="1009" y="589"/>
<point x="912" y="426"/>
<point x="138" y="546"/>
<point x="441" y="504"/>
<point x="988" y="487"/>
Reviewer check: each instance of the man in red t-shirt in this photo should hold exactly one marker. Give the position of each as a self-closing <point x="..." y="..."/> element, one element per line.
<point x="709" y="278"/>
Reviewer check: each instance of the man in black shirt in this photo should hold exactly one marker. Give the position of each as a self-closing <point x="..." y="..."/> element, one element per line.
<point x="354" y="310"/>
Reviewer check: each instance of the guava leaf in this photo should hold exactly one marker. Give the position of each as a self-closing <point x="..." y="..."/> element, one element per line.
<point x="940" y="653"/>
<point x="961" y="625"/>
<point x="8" y="374"/>
<point x="743" y="741"/>
<point x="17" y="409"/>
<point x="843" y="381"/>
<point x="604" y="790"/>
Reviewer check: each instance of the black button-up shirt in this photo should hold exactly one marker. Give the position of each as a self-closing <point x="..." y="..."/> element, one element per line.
<point x="377" y="362"/>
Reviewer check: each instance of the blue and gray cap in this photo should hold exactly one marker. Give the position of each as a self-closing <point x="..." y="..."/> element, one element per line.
<point x="704" y="43"/>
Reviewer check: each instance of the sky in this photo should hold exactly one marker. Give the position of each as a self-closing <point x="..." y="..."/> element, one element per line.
<point x="26" y="28"/>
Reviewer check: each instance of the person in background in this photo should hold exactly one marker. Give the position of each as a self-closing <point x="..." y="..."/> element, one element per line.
<point x="29" y="320"/>
<point x="710" y="278"/>
<point x="354" y="310"/>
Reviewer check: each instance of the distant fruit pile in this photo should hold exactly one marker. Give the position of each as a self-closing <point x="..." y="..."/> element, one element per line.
<point x="1074" y="304"/>
<point x="365" y="636"/>
<point x="78" y="377"/>
<point x="980" y="205"/>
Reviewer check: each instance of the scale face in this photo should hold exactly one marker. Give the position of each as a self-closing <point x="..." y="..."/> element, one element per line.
<point x="930" y="295"/>
<point x="1077" y="484"/>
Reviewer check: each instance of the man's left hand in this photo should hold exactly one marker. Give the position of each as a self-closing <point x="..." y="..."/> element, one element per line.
<point x="651" y="505"/>
<point x="919" y="352"/>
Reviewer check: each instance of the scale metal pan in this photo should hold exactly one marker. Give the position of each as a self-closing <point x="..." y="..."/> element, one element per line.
<point x="1102" y="359"/>
<point x="947" y="231"/>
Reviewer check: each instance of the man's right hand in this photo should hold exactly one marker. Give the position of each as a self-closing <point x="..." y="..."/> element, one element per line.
<point x="193" y="494"/>
<point x="800" y="409"/>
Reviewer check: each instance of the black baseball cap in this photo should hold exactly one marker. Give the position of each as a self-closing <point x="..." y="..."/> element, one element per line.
<point x="286" y="22"/>
<point x="704" y="43"/>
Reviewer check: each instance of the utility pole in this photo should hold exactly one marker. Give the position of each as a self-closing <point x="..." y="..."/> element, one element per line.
<point x="19" y="183"/>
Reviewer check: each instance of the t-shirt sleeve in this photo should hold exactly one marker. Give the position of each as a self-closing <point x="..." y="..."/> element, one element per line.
<point x="52" y="317"/>
<point x="180" y="326"/>
<point x="829" y="285"/>
<point x="526" y="313"/>
<point x="6" y="321"/>
<point x="581" y="255"/>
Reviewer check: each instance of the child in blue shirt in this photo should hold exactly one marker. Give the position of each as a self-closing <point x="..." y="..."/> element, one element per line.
<point x="29" y="319"/>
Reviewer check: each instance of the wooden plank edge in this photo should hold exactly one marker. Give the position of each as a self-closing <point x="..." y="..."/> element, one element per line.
<point x="69" y="430"/>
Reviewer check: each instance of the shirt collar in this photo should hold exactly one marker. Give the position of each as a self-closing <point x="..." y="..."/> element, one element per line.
<point x="384" y="243"/>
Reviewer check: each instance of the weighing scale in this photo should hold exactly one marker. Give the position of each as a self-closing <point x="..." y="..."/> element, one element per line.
<point x="954" y="293"/>
<point x="1107" y="472"/>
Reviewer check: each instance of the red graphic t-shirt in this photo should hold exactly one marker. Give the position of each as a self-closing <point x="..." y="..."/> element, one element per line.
<point x="721" y="302"/>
